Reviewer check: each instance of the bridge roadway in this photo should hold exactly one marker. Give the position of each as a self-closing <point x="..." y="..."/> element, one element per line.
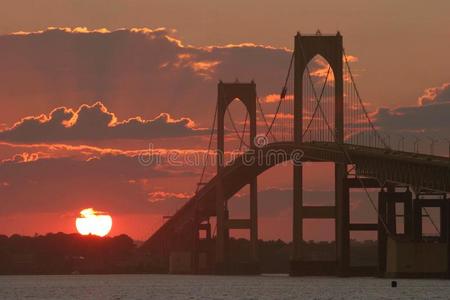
<point x="420" y="171"/>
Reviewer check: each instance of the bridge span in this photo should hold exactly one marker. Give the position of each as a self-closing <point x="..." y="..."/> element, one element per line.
<point x="314" y="125"/>
<point x="376" y="168"/>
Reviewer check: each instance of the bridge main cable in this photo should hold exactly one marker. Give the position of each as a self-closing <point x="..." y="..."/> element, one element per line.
<point x="209" y="147"/>
<point x="361" y="103"/>
<point x="282" y="96"/>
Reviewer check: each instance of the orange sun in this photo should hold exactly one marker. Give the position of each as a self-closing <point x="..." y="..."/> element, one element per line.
<point x="93" y="222"/>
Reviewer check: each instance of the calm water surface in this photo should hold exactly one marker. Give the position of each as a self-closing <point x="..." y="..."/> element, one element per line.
<point x="216" y="287"/>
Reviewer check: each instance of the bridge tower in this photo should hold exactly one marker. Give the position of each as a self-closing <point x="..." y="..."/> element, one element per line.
<point x="246" y="93"/>
<point x="330" y="47"/>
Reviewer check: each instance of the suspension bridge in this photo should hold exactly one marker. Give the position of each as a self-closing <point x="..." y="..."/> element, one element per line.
<point x="319" y="117"/>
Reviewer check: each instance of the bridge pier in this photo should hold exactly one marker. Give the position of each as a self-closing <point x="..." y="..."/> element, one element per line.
<point x="348" y="269"/>
<point x="224" y="263"/>
<point x="339" y="212"/>
<point x="387" y="224"/>
<point x="405" y="250"/>
<point x="202" y="256"/>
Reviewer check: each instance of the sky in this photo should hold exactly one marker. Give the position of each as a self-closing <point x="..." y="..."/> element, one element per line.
<point x="87" y="86"/>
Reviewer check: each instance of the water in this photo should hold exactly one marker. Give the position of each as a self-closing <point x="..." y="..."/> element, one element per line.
<point x="216" y="287"/>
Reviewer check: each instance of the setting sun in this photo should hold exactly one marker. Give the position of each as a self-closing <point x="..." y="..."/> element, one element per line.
<point x="93" y="222"/>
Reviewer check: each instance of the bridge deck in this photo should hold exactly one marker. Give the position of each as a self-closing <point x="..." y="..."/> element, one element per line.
<point x="420" y="171"/>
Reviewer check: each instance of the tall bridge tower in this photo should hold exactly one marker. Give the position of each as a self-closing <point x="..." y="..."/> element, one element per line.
<point x="330" y="47"/>
<point x="227" y="93"/>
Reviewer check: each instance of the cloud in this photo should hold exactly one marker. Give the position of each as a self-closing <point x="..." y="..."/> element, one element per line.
<point x="275" y="98"/>
<point x="95" y="122"/>
<point x="22" y="157"/>
<point x="165" y="196"/>
<point x="431" y="115"/>
<point x="440" y="94"/>
<point x="134" y="71"/>
<point x="66" y="29"/>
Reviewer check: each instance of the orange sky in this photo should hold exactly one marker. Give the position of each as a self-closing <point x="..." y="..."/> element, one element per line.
<point x="83" y="103"/>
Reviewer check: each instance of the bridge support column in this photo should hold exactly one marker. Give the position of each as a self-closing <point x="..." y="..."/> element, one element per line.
<point x="202" y="256"/>
<point x="421" y="211"/>
<point x="250" y="266"/>
<point x="431" y="200"/>
<point x="387" y="222"/>
<point x="222" y="230"/>
<point x="297" y="183"/>
<point x="254" y="220"/>
<point x="347" y="268"/>
<point x="382" y="235"/>
<point x="297" y="230"/>
<point x="342" y="201"/>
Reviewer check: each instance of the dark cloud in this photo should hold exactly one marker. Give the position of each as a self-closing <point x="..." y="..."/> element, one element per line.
<point x="133" y="71"/>
<point x="431" y="115"/>
<point x="95" y="122"/>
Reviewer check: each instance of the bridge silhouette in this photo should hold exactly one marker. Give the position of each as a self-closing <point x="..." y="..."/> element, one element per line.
<point x="320" y="117"/>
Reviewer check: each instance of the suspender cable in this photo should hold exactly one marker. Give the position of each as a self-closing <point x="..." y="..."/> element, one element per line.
<point x="347" y="155"/>
<point x="361" y="102"/>
<point x="264" y="119"/>
<point x="235" y="129"/>
<point x="318" y="103"/>
<point x="209" y="147"/>
<point x="283" y="93"/>
<point x="243" y="131"/>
